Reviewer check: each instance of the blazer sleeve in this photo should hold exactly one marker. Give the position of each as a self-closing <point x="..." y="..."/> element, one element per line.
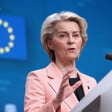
<point x="34" y="100"/>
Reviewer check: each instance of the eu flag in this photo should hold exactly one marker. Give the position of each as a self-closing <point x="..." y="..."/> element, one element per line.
<point x="12" y="37"/>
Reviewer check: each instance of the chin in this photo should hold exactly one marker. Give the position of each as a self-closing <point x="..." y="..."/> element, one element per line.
<point x="74" y="57"/>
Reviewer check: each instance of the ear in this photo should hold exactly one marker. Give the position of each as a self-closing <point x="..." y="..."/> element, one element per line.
<point x="50" y="45"/>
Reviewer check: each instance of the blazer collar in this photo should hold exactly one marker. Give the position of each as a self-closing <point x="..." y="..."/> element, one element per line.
<point x="53" y="71"/>
<point x="54" y="75"/>
<point x="55" y="78"/>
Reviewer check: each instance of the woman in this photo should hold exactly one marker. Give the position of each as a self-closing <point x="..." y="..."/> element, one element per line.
<point x="50" y="89"/>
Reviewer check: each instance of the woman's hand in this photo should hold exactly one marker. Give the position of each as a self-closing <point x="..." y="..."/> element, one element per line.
<point x="65" y="89"/>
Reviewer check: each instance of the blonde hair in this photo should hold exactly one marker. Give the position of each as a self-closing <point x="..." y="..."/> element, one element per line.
<point x="49" y="25"/>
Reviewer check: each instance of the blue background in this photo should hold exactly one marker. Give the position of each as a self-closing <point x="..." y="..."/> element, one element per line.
<point x="92" y="61"/>
<point x="19" y="50"/>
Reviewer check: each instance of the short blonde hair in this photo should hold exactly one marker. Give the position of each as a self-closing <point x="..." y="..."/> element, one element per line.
<point x="48" y="26"/>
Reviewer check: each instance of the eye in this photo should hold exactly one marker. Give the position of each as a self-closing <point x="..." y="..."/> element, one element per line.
<point x="76" y="35"/>
<point x="62" y="35"/>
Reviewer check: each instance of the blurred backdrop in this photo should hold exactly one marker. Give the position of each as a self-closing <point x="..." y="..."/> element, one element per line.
<point x="21" y="50"/>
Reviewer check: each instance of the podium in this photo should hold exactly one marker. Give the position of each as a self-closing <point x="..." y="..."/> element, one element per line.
<point x="99" y="99"/>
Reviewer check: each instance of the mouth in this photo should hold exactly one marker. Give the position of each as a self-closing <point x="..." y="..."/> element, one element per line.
<point x="71" y="49"/>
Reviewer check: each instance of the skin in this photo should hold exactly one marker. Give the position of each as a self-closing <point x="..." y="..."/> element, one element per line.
<point x="66" y="44"/>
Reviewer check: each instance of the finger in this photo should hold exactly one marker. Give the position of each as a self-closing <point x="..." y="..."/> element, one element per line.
<point x="76" y="85"/>
<point x="64" y="86"/>
<point x="66" y="76"/>
<point x="69" y="72"/>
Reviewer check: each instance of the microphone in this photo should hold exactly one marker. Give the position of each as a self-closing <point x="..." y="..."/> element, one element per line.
<point x="108" y="56"/>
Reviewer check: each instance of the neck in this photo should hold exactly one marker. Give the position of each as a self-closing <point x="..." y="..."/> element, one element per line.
<point x="65" y="66"/>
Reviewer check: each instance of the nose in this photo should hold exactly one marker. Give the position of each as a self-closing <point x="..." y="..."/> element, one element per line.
<point x="70" y="40"/>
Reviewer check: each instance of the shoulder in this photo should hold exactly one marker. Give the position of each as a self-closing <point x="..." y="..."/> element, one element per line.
<point x="88" y="78"/>
<point x="39" y="73"/>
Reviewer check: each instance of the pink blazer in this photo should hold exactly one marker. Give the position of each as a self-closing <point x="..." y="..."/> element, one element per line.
<point x="42" y="86"/>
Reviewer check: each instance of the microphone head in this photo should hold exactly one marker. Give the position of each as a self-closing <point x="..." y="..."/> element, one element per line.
<point x="108" y="56"/>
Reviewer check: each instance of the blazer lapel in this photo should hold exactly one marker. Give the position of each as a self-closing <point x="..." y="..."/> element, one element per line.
<point x="85" y="83"/>
<point x="55" y="78"/>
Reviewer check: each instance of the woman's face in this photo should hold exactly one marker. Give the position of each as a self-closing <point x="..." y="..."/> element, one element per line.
<point x="66" y="41"/>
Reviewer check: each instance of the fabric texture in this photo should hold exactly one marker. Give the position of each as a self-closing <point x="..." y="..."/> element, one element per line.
<point x="42" y="86"/>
